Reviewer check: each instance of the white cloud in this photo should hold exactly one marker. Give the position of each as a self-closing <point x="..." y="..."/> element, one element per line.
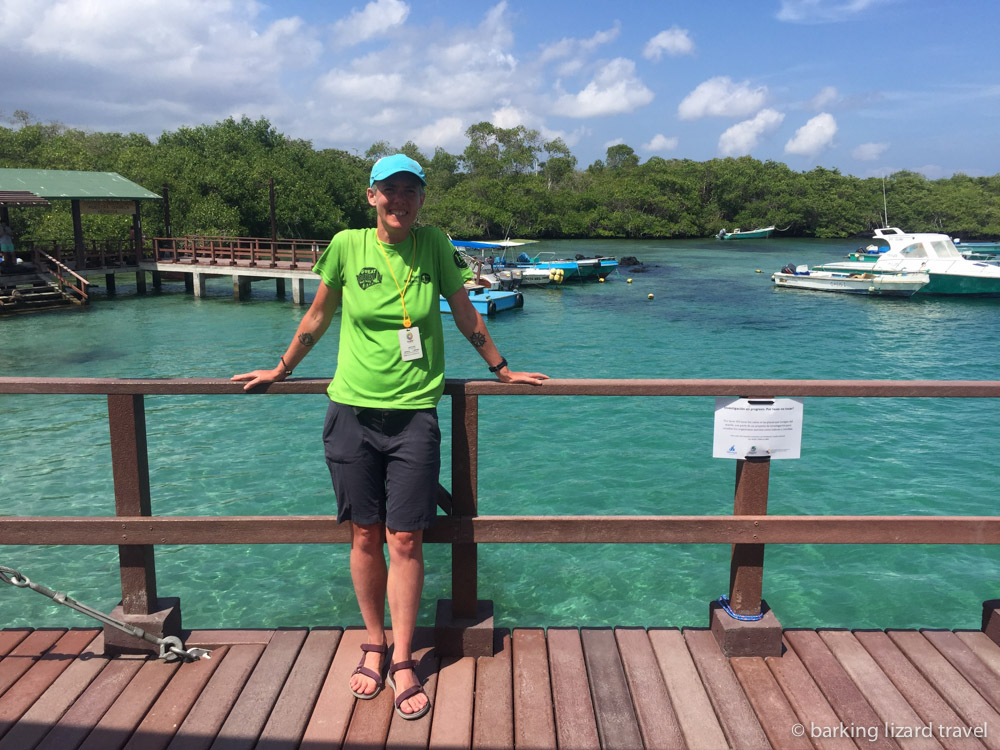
<point x="660" y="143"/>
<point x="187" y="39"/>
<point x="827" y="96"/>
<point x="614" y="90"/>
<point x="508" y="117"/>
<point x="674" y="41"/>
<point x="720" y="97"/>
<point x="822" y="11"/>
<point x="375" y="19"/>
<point x="569" y="47"/>
<point x="348" y="85"/>
<point x="447" y="133"/>
<point x="814" y="136"/>
<point x="869" y="151"/>
<point x="742" y="137"/>
<point x="118" y="65"/>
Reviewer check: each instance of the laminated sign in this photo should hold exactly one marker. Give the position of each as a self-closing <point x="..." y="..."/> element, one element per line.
<point x="751" y="427"/>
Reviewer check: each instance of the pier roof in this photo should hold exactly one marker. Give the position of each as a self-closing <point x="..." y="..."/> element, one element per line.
<point x="64" y="184"/>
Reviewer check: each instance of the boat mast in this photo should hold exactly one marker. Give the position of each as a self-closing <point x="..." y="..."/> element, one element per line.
<point x="885" y="205"/>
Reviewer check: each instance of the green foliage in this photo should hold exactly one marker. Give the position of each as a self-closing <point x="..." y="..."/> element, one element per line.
<point x="506" y="183"/>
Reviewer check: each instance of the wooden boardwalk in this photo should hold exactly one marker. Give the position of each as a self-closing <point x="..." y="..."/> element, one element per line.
<point x="562" y="688"/>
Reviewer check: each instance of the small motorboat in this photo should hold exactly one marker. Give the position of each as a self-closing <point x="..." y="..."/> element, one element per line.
<point x="850" y="282"/>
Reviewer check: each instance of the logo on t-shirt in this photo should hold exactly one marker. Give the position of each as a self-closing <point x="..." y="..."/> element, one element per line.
<point x="459" y="260"/>
<point x="369" y="277"/>
<point x="425" y="278"/>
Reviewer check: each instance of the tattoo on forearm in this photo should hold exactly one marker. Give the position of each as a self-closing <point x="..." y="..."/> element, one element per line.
<point x="306" y="339"/>
<point x="478" y="340"/>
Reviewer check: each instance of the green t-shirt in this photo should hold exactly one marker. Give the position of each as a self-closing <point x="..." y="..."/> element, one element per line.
<point x="370" y="368"/>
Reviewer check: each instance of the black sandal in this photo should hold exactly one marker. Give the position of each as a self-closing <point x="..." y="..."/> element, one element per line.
<point x="409" y="692"/>
<point x="365" y="671"/>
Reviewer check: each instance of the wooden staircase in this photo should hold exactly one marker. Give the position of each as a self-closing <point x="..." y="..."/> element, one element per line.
<point x="31" y="293"/>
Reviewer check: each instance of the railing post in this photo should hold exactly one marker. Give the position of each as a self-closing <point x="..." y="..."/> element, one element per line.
<point x="464" y="477"/>
<point x="760" y="636"/>
<point x="746" y="570"/>
<point x="464" y="625"/>
<point x="130" y="467"/>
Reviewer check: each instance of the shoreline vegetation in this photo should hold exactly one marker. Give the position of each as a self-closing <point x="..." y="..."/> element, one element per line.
<point x="507" y="182"/>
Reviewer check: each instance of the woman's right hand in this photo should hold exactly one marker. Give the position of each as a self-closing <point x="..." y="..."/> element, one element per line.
<point x="260" y="377"/>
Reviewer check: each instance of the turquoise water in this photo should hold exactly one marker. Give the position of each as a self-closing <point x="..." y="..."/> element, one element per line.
<point x="712" y="316"/>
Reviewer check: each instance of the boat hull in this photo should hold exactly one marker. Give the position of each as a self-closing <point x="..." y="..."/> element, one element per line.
<point x="489" y="302"/>
<point x="754" y="234"/>
<point x="881" y="285"/>
<point x="956" y="284"/>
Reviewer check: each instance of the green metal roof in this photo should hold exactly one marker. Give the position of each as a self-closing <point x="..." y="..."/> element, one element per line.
<point x="66" y="184"/>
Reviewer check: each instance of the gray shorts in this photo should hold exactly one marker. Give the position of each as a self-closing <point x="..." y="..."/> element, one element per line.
<point x="384" y="464"/>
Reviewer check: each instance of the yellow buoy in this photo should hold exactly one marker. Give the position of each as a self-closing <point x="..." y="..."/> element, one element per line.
<point x="758" y="270"/>
<point x="601" y="280"/>
<point x="650" y="296"/>
<point x="629" y="281"/>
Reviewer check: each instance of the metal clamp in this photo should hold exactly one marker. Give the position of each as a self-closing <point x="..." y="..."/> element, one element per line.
<point x="171" y="647"/>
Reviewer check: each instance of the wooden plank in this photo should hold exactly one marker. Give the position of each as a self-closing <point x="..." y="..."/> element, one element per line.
<point x="372" y="718"/>
<point x="709" y="701"/>
<point x="404" y="734"/>
<point x="982" y="646"/>
<point x="157" y="728"/>
<point x="54" y="702"/>
<point x="963" y="698"/>
<point x="213" y="638"/>
<point x="331" y="715"/>
<point x="493" y="723"/>
<point x="775" y="714"/>
<point x="575" y="723"/>
<point x="771" y="529"/>
<point x="534" y="723"/>
<point x="451" y="724"/>
<point x="845" y="698"/>
<point x="120" y="721"/>
<point x="24" y="655"/>
<point x="617" y="724"/>
<point x="965" y="661"/>
<point x="287" y="724"/>
<point x="807" y="700"/>
<point x="23" y="693"/>
<point x="78" y="721"/>
<point x="9" y="638"/>
<point x="658" y="723"/>
<point x="919" y="693"/>
<point x="890" y="705"/>
<point x="206" y="717"/>
<point x="253" y="707"/>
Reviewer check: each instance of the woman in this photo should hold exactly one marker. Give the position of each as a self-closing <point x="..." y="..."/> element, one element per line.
<point x="381" y="436"/>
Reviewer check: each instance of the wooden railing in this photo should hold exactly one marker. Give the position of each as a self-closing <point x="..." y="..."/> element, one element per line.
<point x="69" y="282"/>
<point x="106" y="253"/>
<point x="135" y="529"/>
<point x="252" y="251"/>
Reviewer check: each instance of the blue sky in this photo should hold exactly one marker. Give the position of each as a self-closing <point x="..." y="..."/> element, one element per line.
<point x="865" y="86"/>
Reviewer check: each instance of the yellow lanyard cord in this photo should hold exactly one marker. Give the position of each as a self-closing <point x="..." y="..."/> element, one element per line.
<point x="402" y="292"/>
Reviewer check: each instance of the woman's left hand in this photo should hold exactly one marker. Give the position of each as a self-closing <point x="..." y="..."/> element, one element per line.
<point x="529" y="378"/>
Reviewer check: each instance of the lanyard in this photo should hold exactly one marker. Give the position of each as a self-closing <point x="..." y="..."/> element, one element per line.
<point x="402" y="292"/>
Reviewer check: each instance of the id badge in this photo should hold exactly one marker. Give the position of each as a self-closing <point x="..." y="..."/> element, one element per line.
<point x="409" y="344"/>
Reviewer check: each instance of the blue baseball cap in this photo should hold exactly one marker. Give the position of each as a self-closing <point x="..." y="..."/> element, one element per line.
<point x="390" y="165"/>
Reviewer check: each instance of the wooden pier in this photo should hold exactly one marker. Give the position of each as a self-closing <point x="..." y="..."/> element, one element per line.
<point x="725" y="682"/>
<point x="194" y="260"/>
<point x="563" y="688"/>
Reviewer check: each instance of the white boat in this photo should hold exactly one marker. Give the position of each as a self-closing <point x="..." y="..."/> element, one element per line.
<point x="532" y="276"/>
<point x="850" y="282"/>
<point x="931" y="254"/>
